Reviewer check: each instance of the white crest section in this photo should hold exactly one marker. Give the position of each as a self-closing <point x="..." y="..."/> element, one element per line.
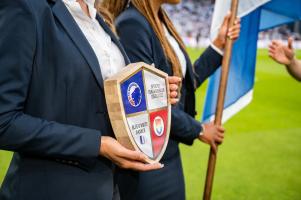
<point x="140" y="130"/>
<point x="155" y="89"/>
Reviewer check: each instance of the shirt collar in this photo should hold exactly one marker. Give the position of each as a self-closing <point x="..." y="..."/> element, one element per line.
<point x="92" y="2"/>
<point x="87" y="1"/>
<point x="91" y="6"/>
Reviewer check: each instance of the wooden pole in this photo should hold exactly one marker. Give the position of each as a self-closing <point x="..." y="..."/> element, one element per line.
<point x="220" y="103"/>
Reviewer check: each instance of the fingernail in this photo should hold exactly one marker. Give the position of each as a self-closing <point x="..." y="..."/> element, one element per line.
<point x="161" y="165"/>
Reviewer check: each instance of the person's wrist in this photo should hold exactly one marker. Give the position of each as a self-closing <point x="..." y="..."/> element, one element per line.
<point x="103" y="145"/>
<point x="219" y="44"/>
<point x="293" y="62"/>
<point x="202" y="132"/>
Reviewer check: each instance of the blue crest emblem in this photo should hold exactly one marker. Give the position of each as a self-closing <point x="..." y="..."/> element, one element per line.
<point x="134" y="94"/>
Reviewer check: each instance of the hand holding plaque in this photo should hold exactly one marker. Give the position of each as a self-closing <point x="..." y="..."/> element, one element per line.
<point x="139" y="108"/>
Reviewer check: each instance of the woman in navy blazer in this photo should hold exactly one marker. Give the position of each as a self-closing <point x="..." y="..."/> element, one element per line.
<point x="53" y="113"/>
<point x="141" y="32"/>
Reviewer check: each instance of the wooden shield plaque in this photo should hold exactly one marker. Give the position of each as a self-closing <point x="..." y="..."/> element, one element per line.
<point x="138" y="104"/>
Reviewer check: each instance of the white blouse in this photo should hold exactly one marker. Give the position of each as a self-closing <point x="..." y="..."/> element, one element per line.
<point x="108" y="54"/>
<point x="176" y="47"/>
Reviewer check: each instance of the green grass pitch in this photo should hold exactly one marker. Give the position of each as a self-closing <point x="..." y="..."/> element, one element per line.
<point x="261" y="156"/>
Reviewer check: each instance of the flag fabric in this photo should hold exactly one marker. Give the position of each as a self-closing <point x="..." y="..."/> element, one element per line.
<point x="256" y="15"/>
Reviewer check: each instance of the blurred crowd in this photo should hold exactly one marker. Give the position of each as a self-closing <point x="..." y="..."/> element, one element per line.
<point x="192" y="19"/>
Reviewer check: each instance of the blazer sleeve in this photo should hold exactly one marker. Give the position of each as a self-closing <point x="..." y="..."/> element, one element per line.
<point x="136" y="39"/>
<point x="20" y="132"/>
<point x="206" y="65"/>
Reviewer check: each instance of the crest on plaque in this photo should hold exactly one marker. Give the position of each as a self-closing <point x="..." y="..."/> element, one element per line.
<point x="138" y="104"/>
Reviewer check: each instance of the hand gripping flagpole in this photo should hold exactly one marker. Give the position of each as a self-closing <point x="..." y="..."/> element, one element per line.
<point x="220" y="103"/>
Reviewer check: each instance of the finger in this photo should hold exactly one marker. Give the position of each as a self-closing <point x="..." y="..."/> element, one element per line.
<point x="226" y="20"/>
<point x="237" y="20"/>
<point x="234" y="35"/>
<point x="174" y="79"/>
<point x="272" y="55"/>
<point x="289" y="52"/>
<point x="138" y="166"/>
<point x="235" y="28"/>
<point x="271" y="52"/>
<point x="218" y="140"/>
<point x="174" y="101"/>
<point x="132" y="155"/>
<point x="221" y="136"/>
<point x="221" y="129"/>
<point x="173" y="94"/>
<point x="173" y="87"/>
<point x="234" y="32"/>
<point x="273" y="47"/>
<point x="276" y="43"/>
<point x="290" y="43"/>
<point x="221" y="132"/>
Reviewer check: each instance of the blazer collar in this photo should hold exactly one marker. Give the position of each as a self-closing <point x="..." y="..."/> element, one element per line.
<point x="190" y="69"/>
<point x="61" y="12"/>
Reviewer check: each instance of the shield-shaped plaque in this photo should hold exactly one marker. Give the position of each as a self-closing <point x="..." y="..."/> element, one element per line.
<point x="138" y="104"/>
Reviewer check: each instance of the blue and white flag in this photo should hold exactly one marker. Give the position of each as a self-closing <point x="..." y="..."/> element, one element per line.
<point x="256" y="15"/>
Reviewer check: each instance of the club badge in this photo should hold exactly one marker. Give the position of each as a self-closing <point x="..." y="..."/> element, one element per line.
<point x="138" y="105"/>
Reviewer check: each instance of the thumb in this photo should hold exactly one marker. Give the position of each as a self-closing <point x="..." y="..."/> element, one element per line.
<point x="290" y="43"/>
<point x="174" y="79"/>
<point x="226" y="20"/>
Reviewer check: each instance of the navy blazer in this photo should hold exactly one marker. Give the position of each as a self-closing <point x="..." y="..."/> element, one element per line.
<point x="52" y="105"/>
<point x="142" y="44"/>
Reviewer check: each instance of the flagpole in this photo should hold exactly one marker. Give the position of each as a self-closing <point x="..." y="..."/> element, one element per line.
<point x="220" y="103"/>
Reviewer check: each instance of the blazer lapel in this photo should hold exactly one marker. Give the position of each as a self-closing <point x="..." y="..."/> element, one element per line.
<point x="190" y="69"/>
<point x="61" y="12"/>
<point x="113" y="38"/>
